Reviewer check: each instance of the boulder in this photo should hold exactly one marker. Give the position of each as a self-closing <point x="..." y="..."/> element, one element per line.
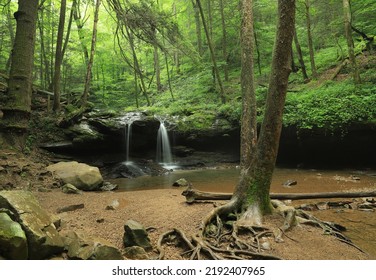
<point x="13" y="241"/>
<point x="82" y="176"/>
<point x="181" y="183"/>
<point x="42" y="237"/>
<point x="135" y="253"/>
<point x="135" y="235"/>
<point x="81" y="247"/>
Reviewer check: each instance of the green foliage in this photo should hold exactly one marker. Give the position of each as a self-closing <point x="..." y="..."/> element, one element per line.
<point x="331" y="106"/>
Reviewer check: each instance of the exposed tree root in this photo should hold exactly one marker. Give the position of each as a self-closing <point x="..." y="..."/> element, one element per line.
<point x="227" y="234"/>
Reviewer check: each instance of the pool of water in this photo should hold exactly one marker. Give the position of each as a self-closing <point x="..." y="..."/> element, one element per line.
<point x="361" y="225"/>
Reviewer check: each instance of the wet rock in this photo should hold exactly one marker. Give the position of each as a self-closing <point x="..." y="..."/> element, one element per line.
<point x="70" y="189"/>
<point x="81" y="247"/>
<point x="82" y="176"/>
<point x="181" y="183"/>
<point x="43" y="238"/>
<point x="13" y="241"/>
<point x="135" y="253"/>
<point x="290" y="183"/>
<point x="182" y="151"/>
<point x="135" y="235"/>
<point x="107" y="186"/>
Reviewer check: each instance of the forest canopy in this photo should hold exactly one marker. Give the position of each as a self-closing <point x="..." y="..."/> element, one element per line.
<point x="155" y="56"/>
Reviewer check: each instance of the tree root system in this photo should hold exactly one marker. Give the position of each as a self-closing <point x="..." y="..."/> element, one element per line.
<point x="227" y="233"/>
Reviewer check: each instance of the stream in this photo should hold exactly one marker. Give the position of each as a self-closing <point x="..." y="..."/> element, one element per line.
<point x="361" y="225"/>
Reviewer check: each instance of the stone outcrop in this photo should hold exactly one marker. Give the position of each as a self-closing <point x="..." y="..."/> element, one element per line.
<point x="81" y="247"/>
<point x="135" y="235"/>
<point x="43" y="240"/>
<point x="13" y="242"/>
<point x="82" y="176"/>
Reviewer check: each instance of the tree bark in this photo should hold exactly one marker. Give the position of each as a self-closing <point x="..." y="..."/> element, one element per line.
<point x="17" y="103"/>
<point x="350" y="41"/>
<point x="252" y="191"/>
<point x="91" y="58"/>
<point x="249" y="117"/>
<point x="224" y="40"/>
<point x="198" y="27"/>
<point x="59" y="57"/>
<point x="309" y="38"/>
<point x="192" y="195"/>
<point x="80" y="24"/>
<point x="212" y="54"/>
<point x="300" y="56"/>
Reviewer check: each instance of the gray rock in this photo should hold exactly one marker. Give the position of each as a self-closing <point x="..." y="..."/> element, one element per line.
<point x="181" y="183"/>
<point x="114" y="205"/>
<point x="82" y="176"/>
<point x="69" y="208"/>
<point x="107" y="186"/>
<point x="43" y="238"/>
<point x="290" y="183"/>
<point x="70" y="189"/>
<point x="81" y="247"/>
<point x="135" y="235"/>
<point x="13" y="241"/>
<point x="135" y="253"/>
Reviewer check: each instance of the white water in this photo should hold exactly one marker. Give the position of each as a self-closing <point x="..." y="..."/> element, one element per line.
<point x="164" y="155"/>
<point x="128" y="139"/>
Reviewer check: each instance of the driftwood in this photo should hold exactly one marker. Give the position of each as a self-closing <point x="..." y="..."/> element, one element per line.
<point x="192" y="195"/>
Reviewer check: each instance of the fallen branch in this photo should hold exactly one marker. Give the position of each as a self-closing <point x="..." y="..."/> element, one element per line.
<point x="192" y="195"/>
<point x="339" y="68"/>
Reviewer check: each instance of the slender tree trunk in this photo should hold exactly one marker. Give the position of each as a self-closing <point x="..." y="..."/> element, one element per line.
<point x="309" y="38"/>
<point x="11" y="35"/>
<point x="80" y="24"/>
<point x="253" y="189"/>
<point x="137" y="68"/>
<point x="224" y="39"/>
<point x="350" y="41"/>
<point x="257" y="50"/>
<point x="91" y="58"/>
<point x="198" y="28"/>
<point x="176" y="51"/>
<point x="221" y="89"/>
<point x="168" y="76"/>
<point x="59" y="57"/>
<point x="300" y="56"/>
<point x="249" y="117"/>
<point x="17" y="103"/>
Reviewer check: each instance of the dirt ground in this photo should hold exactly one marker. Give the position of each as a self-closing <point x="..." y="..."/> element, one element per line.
<point x="162" y="210"/>
<point x="166" y="209"/>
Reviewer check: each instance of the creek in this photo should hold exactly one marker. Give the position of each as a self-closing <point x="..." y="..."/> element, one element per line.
<point x="361" y="225"/>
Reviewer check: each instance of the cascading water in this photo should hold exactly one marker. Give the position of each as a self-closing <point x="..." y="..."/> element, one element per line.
<point x="164" y="155"/>
<point x="128" y="138"/>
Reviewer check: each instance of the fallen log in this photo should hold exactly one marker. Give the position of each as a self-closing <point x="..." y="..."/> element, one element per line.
<point x="192" y="195"/>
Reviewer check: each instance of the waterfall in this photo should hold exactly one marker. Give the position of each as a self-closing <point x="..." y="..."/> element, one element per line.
<point x="128" y="138"/>
<point x="164" y="155"/>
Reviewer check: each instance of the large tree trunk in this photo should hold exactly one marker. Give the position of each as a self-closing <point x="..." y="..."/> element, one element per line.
<point x="91" y="58"/>
<point x="252" y="192"/>
<point x="59" y="57"/>
<point x="350" y="42"/>
<point x="249" y="116"/>
<point x="17" y="105"/>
